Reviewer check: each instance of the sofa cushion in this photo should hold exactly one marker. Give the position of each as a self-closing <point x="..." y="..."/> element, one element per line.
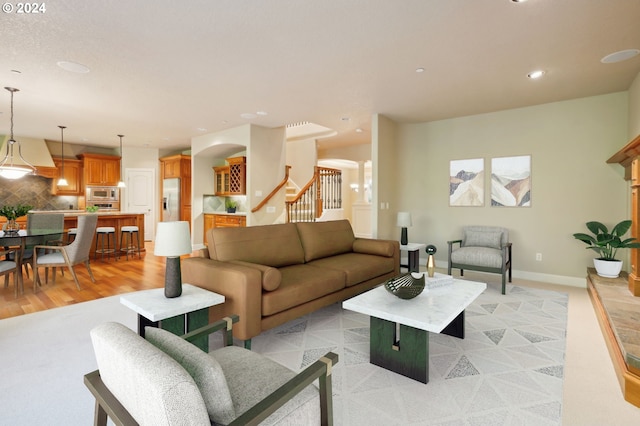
<point x="150" y="384"/>
<point x="271" y="277"/>
<point x="204" y="369"/>
<point x="357" y="267"/>
<point x="476" y="238"/>
<point x="252" y="377"/>
<point x="271" y="245"/>
<point x="301" y="284"/>
<point x="323" y="239"/>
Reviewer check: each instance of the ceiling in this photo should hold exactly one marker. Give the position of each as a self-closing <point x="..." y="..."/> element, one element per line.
<point x="162" y="72"/>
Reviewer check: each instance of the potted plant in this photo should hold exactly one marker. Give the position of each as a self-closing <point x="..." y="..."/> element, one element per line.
<point x="12" y="213"/>
<point x="606" y="244"/>
<point x="230" y="205"/>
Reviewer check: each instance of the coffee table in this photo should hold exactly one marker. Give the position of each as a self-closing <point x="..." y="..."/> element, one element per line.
<point x="399" y="333"/>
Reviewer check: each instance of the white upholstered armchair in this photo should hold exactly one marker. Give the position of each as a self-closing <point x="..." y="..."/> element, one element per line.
<point x="165" y="380"/>
<point x="482" y="248"/>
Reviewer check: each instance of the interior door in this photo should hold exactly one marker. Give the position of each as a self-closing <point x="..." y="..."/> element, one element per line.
<point x="140" y="197"/>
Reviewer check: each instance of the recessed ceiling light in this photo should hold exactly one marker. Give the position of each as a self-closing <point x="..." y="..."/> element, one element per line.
<point x="358" y="130"/>
<point x="535" y="74"/>
<point x="419" y="70"/>
<point x="345" y="119"/>
<point x="201" y="129"/>
<point x="518" y="1"/>
<point x="261" y="113"/>
<point x="620" y="56"/>
<point x="73" y="67"/>
<point x="248" y="115"/>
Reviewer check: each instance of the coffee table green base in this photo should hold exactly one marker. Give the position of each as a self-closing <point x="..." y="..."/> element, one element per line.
<point x="404" y="349"/>
<point x="180" y="325"/>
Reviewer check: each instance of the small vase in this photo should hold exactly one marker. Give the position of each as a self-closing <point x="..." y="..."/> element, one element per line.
<point x="12" y="226"/>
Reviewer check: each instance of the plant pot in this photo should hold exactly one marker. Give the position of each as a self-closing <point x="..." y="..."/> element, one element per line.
<point x="608" y="268"/>
<point x="231" y="209"/>
<point x="12" y="226"/>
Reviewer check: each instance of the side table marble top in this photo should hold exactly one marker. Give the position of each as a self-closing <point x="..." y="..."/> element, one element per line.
<point x="153" y="305"/>
<point x="432" y="310"/>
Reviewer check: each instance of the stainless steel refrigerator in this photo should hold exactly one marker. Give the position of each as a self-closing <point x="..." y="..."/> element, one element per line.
<point x="170" y="200"/>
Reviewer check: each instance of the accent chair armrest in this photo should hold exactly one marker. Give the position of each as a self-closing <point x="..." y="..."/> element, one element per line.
<point x="106" y="403"/>
<point x="320" y="369"/>
<point x="225" y="324"/>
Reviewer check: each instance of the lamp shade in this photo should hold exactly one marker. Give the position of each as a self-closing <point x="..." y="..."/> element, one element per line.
<point x="404" y="219"/>
<point x="172" y="239"/>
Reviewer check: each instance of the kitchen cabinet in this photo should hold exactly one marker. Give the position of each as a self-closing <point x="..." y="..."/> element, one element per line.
<point x="212" y="220"/>
<point x="231" y="179"/>
<point x="100" y="170"/>
<point x="178" y="166"/>
<point x="73" y="175"/>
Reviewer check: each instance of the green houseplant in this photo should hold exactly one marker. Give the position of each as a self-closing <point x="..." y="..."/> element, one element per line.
<point x="230" y="205"/>
<point x="607" y="243"/>
<point x="12" y="213"/>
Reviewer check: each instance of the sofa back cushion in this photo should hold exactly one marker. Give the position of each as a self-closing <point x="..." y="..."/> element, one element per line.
<point x="150" y="384"/>
<point x="271" y="245"/>
<point x="324" y="239"/>
<point x="204" y="369"/>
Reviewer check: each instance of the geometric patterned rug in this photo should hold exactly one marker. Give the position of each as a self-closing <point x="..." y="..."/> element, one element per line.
<point x="507" y="371"/>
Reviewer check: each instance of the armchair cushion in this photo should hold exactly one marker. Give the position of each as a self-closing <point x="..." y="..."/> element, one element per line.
<point x="478" y="238"/>
<point x="204" y="369"/>
<point x="479" y="256"/>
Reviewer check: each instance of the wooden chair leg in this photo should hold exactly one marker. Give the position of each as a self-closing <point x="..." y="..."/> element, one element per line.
<point x="89" y="269"/>
<point x="75" y="277"/>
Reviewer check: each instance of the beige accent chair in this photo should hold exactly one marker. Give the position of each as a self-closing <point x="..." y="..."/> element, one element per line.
<point x="482" y="248"/>
<point x="42" y="222"/>
<point x="166" y="380"/>
<point x="70" y="255"/>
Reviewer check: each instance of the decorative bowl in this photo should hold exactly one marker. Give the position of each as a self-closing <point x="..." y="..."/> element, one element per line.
<point x="405" y="286"/>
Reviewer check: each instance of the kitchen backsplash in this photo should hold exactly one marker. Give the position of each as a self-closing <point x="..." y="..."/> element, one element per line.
<point x="35" y="191"/>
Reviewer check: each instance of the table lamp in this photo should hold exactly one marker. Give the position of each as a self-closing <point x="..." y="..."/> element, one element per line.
<point x="404" y="221"/>
<point x="173" y="240"/>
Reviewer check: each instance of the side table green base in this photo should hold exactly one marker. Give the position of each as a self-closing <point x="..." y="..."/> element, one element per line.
<point x="180" y="325"/>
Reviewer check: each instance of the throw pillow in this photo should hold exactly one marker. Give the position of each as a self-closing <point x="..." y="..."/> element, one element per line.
<point x="490" y="239"/>
<point x="204" y="369"/>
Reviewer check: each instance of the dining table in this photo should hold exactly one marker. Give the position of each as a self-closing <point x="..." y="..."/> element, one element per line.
<point x="19" y="240"/>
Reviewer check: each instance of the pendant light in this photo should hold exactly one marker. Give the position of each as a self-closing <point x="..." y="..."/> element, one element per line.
<point x="62" y="181"/>
<point x="121" y="184"/>
<point x="8" y="169"/>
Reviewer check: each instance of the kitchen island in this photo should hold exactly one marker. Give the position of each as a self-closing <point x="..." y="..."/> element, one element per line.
<point x="105" y="218"/>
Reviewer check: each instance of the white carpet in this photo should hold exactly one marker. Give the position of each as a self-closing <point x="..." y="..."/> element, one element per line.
<point x="507" y="371"/>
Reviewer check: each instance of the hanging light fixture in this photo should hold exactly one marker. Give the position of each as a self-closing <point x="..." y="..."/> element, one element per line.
<point x="8" y="169"/>
<point x="62" y="181"/>
<point x="121" y="184"/>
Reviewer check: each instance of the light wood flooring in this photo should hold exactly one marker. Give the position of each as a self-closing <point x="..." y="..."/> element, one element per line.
<point x="112" y="277"/>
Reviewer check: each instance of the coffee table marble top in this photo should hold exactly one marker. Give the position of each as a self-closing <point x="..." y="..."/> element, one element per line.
<point x="153" y="305"/>
<point x="432" y="310"/>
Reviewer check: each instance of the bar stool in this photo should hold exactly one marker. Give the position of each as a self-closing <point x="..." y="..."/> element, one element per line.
<point x="71" y="235"/>
<point x="108" y="232"/>
<point x="129" y="247"/>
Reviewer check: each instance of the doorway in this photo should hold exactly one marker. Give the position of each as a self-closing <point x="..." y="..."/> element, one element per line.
<point x="140" y="197"/>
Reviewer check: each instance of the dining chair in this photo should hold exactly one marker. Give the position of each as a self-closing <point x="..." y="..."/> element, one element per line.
<point x="42" y="222"/>
<point x="70" y="255"/>
<point x="8" y="267"/>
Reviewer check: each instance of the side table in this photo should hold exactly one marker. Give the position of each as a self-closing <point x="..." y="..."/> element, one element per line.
<point x="413" y="251"/>
<point x="178" y="315"/>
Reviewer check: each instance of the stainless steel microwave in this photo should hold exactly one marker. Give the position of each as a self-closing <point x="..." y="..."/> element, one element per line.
<point x="110" y="193"/>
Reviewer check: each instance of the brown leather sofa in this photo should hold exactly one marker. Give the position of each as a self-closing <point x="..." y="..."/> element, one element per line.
<point x="272" y="274"/>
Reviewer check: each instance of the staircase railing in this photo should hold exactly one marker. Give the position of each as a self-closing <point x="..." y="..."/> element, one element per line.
<point x="323" y="191"/>
<point x="275" y="190"/>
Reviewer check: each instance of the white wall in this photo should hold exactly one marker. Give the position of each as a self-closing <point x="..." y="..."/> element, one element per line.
<point x="634" y="108"/>
<point x="301" y="155"/>
<point x="569" y="143"/>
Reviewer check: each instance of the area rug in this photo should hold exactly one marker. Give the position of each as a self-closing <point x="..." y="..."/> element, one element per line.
<point x="508" y="370"/>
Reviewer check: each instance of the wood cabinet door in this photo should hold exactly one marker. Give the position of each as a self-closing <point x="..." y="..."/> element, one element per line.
<point x="111" y="172"/>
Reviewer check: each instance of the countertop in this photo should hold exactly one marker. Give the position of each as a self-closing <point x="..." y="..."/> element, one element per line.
<point x="83" y="212"/>
<point x="228" y="214"/>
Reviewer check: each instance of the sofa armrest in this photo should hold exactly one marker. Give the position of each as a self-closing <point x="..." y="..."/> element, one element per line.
<point x="241" y="286"/>
<point x="203" y="252"/>
<point x="271" y="277"/>
<point x="376" y="247"/>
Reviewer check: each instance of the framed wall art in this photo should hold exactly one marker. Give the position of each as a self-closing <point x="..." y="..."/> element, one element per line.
<point x="511" y="181"/>
<point x="466" y="182"/>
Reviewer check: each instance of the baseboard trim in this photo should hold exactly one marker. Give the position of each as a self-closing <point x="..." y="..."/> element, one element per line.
<point x="551" y="279"/>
